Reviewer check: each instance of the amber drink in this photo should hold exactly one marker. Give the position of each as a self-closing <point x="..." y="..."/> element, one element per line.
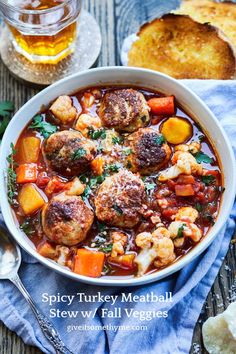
<point x="44" y="31"/>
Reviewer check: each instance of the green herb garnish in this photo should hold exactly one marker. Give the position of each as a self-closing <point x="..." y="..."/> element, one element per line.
<point x="96" y="134"/>
<point x="78" y="154"/>
<point x="27" y="227"/>
<point x="11" y="178"/>
<point x="201" y="157"/>
<point x="159" y="140"/>
<point x="209" y="218"/>
<point x="149" y="187"/>
<point x="127" y="151"/>
<point x="113" y="167"/>
<point x="45" y="128"/>
<point x="209" y="179"/>
<point x="180" y="231"/>
<point x="117" y="139"/>
<point x="106" y="269"/>
<point x="117" y="209"/>
<point x="106" y="248"/>
<point x="6" y="108"/>
<point x="198" y="207"/>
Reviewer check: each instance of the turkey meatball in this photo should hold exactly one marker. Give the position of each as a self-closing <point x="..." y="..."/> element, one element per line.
<point x="124" y="110"/>
<point x="69" y="152"/>
<point x="66" y="219"/>
<point x="148" y="151"/>
<point x="120" y="200"/>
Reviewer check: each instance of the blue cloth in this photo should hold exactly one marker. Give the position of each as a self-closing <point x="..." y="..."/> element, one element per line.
<point x="190" y="286"/>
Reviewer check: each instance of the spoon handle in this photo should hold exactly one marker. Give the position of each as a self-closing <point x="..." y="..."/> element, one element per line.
<point x="48" y="329"/>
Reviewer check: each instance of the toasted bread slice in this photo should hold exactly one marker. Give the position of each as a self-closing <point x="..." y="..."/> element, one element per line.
<point x="221" y="15"/>
<point x="183" y="48"/>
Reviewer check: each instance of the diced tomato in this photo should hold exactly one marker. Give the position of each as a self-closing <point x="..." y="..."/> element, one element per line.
<point x="200" y="196"/>
<point x="162" y="105"/>
<point x="169" y="212"/>
<point x="125" y="261"/>
<point x="185" y="179"/>
<point x="196" y="187"/>
<point x="211" y="172"/>
<point x="171" y="184"/>
<point x="55" y="185"/>
<point x="42" y="180"/>
<point x="26" y="173"/>
<point x="184" y="190"/>
<point x="156" y="119"/>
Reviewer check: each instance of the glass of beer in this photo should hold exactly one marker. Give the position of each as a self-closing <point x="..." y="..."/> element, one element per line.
<point x="44" y="31"/>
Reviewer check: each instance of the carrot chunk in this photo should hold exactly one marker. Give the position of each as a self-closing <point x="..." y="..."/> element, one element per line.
<point x="125" y="261"/>
<point x="26" y="173"/>
<point x="185" y="179"/>
<point x="184" y="190"/>
<point x="97" y="165"/>
<point x="89" y="263"/>
<point x="162" y="105"/>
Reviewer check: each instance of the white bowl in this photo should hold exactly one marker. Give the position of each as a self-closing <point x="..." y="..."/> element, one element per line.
<point x="128" y="76"/>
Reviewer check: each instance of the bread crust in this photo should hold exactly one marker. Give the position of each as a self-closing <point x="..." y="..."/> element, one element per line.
<point x="219" y="14"/>
<point x="183" y="48"/>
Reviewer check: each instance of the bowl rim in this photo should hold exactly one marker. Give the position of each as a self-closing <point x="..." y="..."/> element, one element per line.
<point x="116" y="281"/>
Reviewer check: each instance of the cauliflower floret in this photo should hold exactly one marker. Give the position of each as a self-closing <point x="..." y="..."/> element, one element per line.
<point x="180" y="229"/>
<point x="193" y="147"/>
<point x="156" y="247"/>
<point x="119" y="240"/>
<point x="86" y="122"/>
<point x="188" y="214"/>
<point x="183" y="163"/>
<point x="63" y="253"/>
<point x="63" y="109"/>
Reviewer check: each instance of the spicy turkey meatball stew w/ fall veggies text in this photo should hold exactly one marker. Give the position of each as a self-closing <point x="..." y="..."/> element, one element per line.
<point x="114" y="181"/>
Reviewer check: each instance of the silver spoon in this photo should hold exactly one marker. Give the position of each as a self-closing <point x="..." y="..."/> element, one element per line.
<point x="10" y="260"/>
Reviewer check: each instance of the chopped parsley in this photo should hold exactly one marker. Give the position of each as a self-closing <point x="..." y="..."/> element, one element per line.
<point x="45" y="128"/>
<point x="106" y="248"/>
<point x="113" y="167"/>
<point x="198" y="207"/>
<point x="149" y="187"/>
<point x="117" y="140"/>
<point x="209" y="218"/>
<point x="127" y="151"/>
<point x="180" y="231"/>
<point x="96" y="134"/>
<point x="201" y="157"/>
<point x="117" y="209"/>
<point x="159" y="140"/>
<point x="209" y="179"/>
<point x="106" y="269"/>
<point x="27" y="227"/>
<point x="11" y="178"/>
<point x="78" y="154"/>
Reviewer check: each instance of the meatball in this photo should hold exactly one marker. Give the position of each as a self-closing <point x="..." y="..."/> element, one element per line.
<point x="66" y="219"/>
<point x="124" y="110"/>
<point x="69" y="152"/>
<point x="148" y="151"/>
<point x="120" y="200"/>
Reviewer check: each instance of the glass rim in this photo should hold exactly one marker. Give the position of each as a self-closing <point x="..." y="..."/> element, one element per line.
<point x="34" y="12"/>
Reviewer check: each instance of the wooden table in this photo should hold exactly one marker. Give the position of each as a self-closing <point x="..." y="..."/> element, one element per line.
<point x="117" y="19"/>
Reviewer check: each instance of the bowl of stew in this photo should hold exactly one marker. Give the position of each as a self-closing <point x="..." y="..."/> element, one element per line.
<point x="116" y="176"/>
